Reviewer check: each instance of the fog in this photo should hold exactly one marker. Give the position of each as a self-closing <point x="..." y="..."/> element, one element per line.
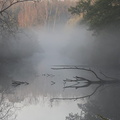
<point x="100" y="50"/>
<point x="29" y="56"/>
<point x="31" y="53"/>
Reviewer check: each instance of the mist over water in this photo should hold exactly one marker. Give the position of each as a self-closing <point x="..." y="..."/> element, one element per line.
<point x="30" y="55"/>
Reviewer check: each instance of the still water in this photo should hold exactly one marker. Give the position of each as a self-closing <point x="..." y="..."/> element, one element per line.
<point x="33" y="100"/>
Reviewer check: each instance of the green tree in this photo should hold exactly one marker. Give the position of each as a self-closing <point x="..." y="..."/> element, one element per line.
<point x="98" y="14"/>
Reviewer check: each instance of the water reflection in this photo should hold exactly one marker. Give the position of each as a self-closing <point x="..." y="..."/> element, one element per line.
<point x="43" y="110"/>
<point x="7" y="109"/>
<point x="30" y="83"/>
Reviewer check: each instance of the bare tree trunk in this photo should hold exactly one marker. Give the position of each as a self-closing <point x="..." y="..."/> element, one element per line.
<point x="55" y="17"/>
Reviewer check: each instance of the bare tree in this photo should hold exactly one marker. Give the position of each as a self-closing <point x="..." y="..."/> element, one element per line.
<point x="85" y="82"/>
<point x="6" y="4"/>
<point x="7" y="109"/>
<point x="7" y="21"/>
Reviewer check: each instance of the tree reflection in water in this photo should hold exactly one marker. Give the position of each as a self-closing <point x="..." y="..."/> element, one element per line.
<point x="7" y="108"/>
<point x="104" y="105"/>
<point x="82" y="82"/>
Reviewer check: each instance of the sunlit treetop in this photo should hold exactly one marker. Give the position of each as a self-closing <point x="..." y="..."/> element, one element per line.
<point x="98" y="14"/>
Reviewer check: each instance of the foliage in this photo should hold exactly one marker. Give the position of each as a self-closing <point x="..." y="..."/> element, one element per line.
<point x="89" y="111"/>
<point x="79" y="117"/>
<point x="81" y="7"/>
<point x="98" y="14"/>
<point x="103" y="118"/>
<point x="8" y="23"/>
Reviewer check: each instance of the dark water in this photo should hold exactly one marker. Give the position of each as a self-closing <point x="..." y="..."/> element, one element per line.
<point x="32" y="101"/>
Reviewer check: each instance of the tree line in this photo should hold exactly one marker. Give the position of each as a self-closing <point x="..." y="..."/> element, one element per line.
<point x="98" y="14"/>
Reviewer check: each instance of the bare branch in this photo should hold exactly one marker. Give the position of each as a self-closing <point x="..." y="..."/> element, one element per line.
<point x="82" y="79"/>
<point x="5" y="115"/>
<point x="108" y="76"/>
<point x="76" y="98"/>
<point x="76" y="87"/>
<point x="13" y="2"/>
<point x="3" y="5"/>
<point x="79" y="68"/>
<point x="77" y="80"/>
<point x="7" y="109"/>
<point x="85" y="82"/>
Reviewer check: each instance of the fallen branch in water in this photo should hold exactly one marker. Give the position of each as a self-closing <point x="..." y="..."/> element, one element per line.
<point x="85" y="82"/>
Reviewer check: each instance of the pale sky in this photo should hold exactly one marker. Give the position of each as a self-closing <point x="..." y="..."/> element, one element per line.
<point x="45" y="112"/>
